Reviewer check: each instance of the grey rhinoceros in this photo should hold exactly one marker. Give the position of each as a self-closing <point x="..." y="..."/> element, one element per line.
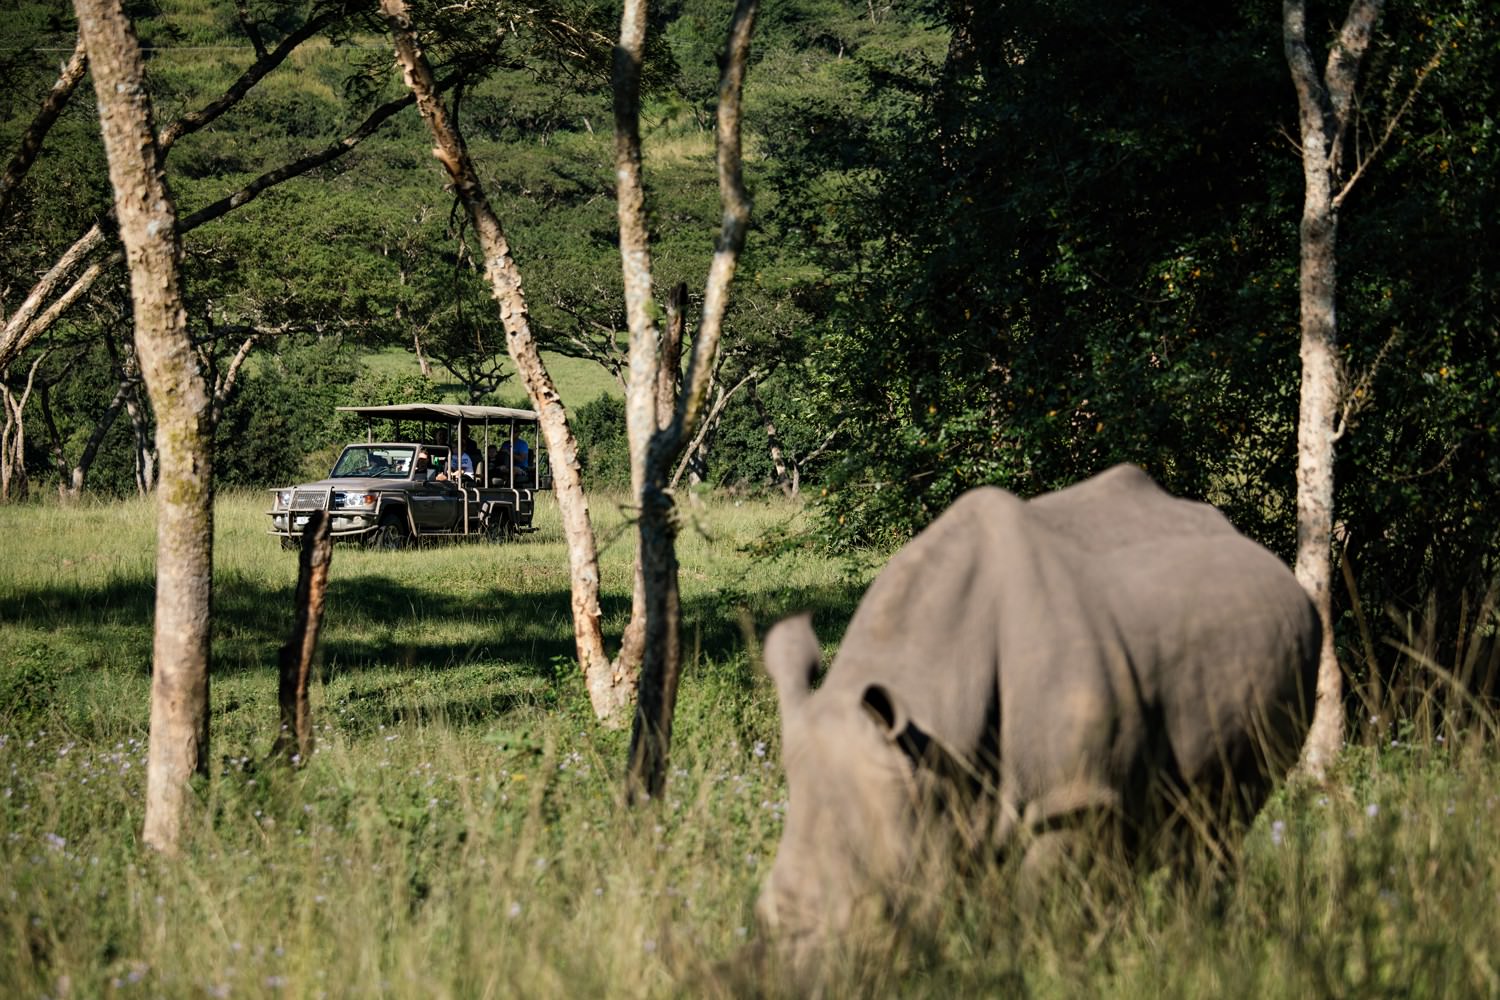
<point x="1107" y="650"/>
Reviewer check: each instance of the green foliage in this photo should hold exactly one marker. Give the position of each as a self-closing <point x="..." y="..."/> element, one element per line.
<point x="603" y="451"/>
<point x="283" y="417"/>
<point x="1104" y="269"/>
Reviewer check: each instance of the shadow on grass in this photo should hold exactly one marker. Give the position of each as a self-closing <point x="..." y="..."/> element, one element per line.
<point x="376" y="622"/>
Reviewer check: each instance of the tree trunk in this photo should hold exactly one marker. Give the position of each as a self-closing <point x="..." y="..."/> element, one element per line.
<point x="72" y="476"/>
<point x="145" y="451"/>
<point x="669" y="374"/>
<point x="180" y="397"/>
<point x="1325" y="105"/>
<point x="294" y="738"/>
<point x="661" y="662"/>
<point x="13" y="482"/>
<point x="780" y="476"/>
<point x="609" y="691"/>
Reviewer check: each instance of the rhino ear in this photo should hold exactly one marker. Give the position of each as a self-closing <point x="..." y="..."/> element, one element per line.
<point x="792" y="658"/>
<point x="888" y="710"/>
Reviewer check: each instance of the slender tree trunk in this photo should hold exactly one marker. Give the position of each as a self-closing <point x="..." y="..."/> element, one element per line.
<point x="661" y="663"/>
<point x="780" y="476"/>
<point x="670" y="373"/>
<point x="1325" y="106"/>
<point x="180" y="397"/>
<point x="73" y="476"/>
<point x="609" y="691"/>
<point x="145" y="451"/>
<point x="641" y="387"/>
<point x="294" y="739"/>
<point x="13" y="482"/>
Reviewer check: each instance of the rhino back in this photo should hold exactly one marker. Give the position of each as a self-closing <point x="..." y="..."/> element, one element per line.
<point x="1101" y="628"/>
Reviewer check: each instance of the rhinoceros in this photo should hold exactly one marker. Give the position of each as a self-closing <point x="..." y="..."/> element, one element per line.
<point x="1107" y="650"/>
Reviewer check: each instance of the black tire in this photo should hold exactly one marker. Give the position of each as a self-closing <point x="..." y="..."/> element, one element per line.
<point x="290" y="544"/>
<point x="499" y="526"/>
<point x="390" y="534"/>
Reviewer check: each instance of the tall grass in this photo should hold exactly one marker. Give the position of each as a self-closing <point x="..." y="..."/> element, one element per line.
<point x="460" y="833"/>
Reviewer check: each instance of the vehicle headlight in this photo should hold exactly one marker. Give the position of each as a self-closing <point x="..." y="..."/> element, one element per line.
<point x="354" y="499"/>
<point x="284" y="499"/>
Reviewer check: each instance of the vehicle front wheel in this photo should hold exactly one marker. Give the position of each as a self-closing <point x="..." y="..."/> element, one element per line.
<point x="390" y="533"/>
<point x="289" y="544"/>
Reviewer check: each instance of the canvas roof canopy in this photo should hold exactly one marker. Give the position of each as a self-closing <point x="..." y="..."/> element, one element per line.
<point x="445" y="413"/>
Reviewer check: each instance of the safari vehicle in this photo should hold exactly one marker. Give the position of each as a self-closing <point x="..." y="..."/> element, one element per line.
<point x="445" y="471"/>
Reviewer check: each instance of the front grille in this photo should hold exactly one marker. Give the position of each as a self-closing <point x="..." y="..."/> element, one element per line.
<point x="309" y="500"/>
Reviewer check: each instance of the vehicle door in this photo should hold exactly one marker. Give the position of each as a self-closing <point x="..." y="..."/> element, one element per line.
<point x="435" y="504"/>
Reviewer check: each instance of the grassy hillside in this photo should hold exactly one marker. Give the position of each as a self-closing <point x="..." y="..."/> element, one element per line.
<point x="459" y="831"/>
<point x="577" y="380"/>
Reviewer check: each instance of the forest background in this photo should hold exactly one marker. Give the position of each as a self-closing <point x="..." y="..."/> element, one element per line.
<point x="1011" y="246"/>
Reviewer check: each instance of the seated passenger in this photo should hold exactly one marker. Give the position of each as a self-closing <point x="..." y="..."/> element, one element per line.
<point x="468" y="456"/>
<point x="523" y="461"/>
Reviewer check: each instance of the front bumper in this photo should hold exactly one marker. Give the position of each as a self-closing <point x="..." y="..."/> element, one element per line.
<point x="345" y="524"/>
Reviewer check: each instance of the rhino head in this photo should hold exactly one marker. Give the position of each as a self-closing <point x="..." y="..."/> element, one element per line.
<point x="850" y="821"/>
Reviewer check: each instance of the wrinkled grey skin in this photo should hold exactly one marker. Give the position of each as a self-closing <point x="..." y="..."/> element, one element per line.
<point x="1104" y="651"/>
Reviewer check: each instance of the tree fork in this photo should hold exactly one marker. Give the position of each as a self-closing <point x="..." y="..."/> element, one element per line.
<point x="651" y="735"/>
<point x="1325" y="105"/>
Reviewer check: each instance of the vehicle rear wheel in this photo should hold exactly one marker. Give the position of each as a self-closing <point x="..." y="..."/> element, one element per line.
<point x="499" y="525"/>
<point x="390" y="533"/>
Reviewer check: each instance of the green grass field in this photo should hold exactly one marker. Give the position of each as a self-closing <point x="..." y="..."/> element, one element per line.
<point x="578" y="381"/>
<point x="460" y="832"/>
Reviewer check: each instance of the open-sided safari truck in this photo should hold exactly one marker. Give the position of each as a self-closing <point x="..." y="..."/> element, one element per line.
<point x="445" y="471"/>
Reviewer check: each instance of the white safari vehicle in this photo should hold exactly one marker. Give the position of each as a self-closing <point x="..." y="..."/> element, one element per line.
<point x="444" y="471"/>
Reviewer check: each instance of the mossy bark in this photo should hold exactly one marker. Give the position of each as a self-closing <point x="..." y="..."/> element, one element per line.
<point x="179" y="395"/>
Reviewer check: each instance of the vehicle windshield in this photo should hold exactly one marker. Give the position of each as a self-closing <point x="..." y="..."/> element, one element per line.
<point x="373" y="461"/>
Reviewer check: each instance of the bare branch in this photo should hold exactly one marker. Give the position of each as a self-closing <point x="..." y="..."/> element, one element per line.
<point x="1345" y="56"/>
<point x="1362" y="162"/>
<point x="734" y="225"/>
<point x="19" y="331"/>
<point x="706" y="425"/>
<point x="224" y="384"/>
<point x="1361" y="393"/>
<point x="252" y="30"/>
<point x="296" y="168"/>
<point x="195" y="120"/>
<point x="52" y="105"/>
